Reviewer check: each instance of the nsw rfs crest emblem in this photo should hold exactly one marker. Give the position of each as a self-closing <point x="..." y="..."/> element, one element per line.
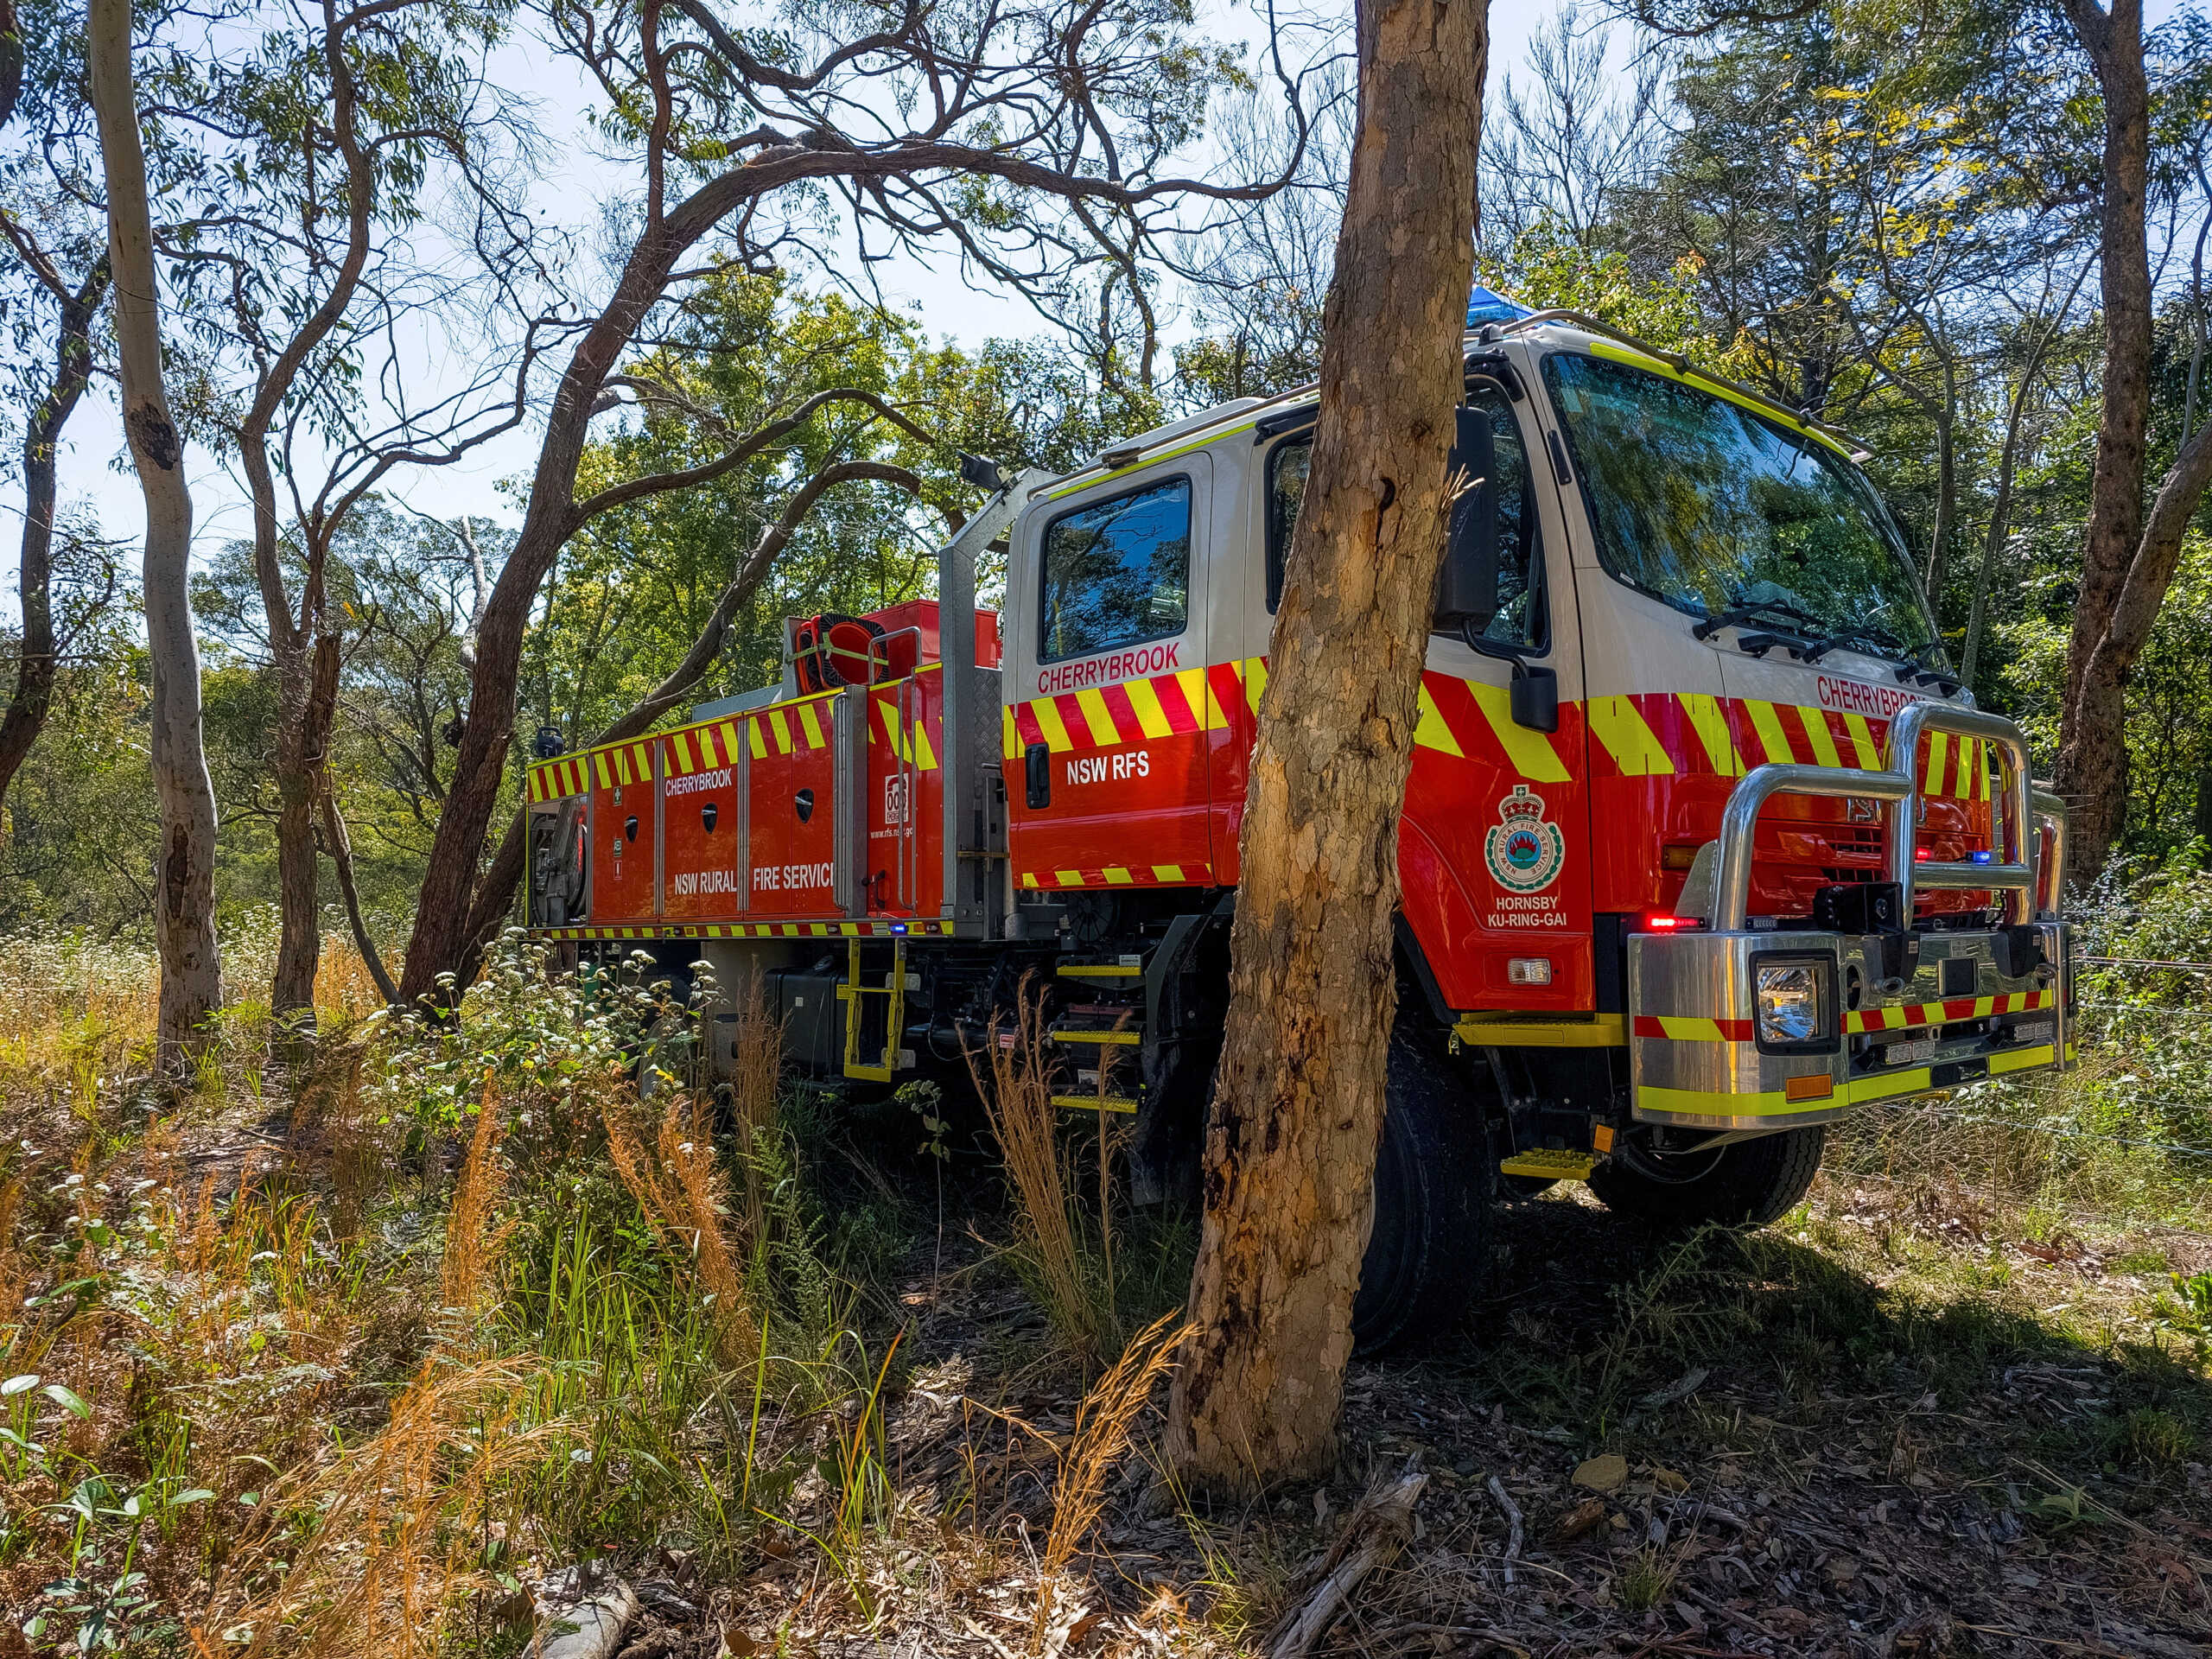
<point x="1524" y="850"/>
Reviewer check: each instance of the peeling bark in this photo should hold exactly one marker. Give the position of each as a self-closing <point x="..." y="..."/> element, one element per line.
<point x="1290" y="1147"/>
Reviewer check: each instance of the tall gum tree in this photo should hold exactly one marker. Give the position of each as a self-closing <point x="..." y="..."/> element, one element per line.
<point x="2133" y="544"/>
<point x="184" y="896"/>
<point x="1006" y="133"/>
<point x="1298" y="1105"/>
<point x="326" y="133"/>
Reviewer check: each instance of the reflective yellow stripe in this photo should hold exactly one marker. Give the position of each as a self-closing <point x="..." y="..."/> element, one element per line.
<point x="1431" y="732"/>
<point x="760" y="743"/>
<point x="782" y="728"/>
<point x="729" y="742"/>
<point x="1627" y="738"/>
<point x="1939" y="750"/>
<point x="920" y="751"/>
<point x="599" y="765"/>
<point x="1682" y="1029"/>
<point x="1047" y="714"/>
<point x="1772" y="737"/>
<point x="1118" y="877"/>
<point x="1068" y="878"/>
<point x="1862" y="739"/>
<point x="1817" y="733"/>
<point x="2020" y="1059"/>
<point x="643" y="757"/>
<point x="681" y="749"/>
<point x="1710" y="722"/>
<point x="1009" y="736"/>
<point x="1168" y="872"/>
<point x="813" y="726"/>
<point x="1255" y="682"/>
<point x="1097" y="716"/>
<point x="1531" y="752"/>
<point x="1152" y="719"/>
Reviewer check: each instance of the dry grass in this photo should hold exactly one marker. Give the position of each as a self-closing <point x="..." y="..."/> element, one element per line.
<point x="1015" y="1080"/>
<point x="373" y="1552"/>
<point x="473" y="1236"/>
<point x="756" y="1089"/>
<point x="1103" y="1425"/>
<point x="678" y="1184"/>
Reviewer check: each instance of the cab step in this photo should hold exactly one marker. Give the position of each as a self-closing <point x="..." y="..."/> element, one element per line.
<point x="1125" y="969"/>
<point x="1093" y="1103"/>
<point x="1547" y="1164"/>
<point x="1121" y="1036"/>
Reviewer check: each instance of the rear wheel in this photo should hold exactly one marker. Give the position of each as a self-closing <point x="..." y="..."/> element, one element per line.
<point x="1744" y="1184"/>
<point x="1434" y="1182"/>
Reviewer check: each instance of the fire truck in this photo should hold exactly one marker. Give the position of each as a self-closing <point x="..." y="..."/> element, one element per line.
<point x="1703" y="847"/>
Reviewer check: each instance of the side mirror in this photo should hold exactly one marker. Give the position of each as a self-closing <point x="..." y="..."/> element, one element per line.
<point x="1466" y="583"/>
<point x="1534" y="697"/>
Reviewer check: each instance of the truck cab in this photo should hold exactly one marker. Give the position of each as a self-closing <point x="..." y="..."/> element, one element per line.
<point x="1702" y="846"/>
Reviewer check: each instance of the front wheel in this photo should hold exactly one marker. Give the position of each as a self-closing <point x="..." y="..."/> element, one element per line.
<point x="1434" y="1182"/>
<point x="1744" y="1184"/>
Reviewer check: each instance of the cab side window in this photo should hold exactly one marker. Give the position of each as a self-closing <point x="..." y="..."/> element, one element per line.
<point x="1519" y="619"/>
<point x="1118" y="572"/>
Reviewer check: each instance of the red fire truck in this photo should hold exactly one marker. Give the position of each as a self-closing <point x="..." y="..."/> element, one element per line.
<point x="1703" y="845"/>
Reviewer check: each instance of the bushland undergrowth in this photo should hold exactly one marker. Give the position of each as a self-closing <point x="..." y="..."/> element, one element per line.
<point x="347" y="1358"/>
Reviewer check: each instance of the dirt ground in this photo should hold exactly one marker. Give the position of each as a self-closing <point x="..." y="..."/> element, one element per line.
<point x="1877" y="1429"/>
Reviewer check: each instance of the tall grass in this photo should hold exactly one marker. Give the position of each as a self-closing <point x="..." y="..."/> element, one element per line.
<point x="364" y="1392"/>
<point x="1070" y="1273"/>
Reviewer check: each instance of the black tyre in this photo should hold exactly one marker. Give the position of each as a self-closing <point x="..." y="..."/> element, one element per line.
<point x="1434" y="1182"/>
<point x="1744" y="1184"/>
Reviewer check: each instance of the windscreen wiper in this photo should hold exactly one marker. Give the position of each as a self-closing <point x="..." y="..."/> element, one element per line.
<point x="1865" y="633"/>
<point x="1750" y="611"/>
<point x="1917" y="671"/>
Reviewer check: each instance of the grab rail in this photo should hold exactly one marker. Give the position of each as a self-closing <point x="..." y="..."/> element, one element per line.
<point x="2015" y="870"/>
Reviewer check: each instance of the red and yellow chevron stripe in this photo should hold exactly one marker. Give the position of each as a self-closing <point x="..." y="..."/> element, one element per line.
<point x="1121" y="875"/>
<point x="1692" y="733"/>
<point x="1941" y="1014"/>
<point x="1680" y="1030"/>
<point x="783" y="728"/>
<point x="1676" y="1028"/>
<point x="753" y="930"/>
<point x="1460" y="718"/>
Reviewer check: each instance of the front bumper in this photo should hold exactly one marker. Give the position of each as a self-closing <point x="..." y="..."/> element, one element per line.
<point x="1911" y="1013"/>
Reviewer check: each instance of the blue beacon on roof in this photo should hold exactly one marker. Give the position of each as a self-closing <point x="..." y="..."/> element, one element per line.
<point x="1484" y="306"/>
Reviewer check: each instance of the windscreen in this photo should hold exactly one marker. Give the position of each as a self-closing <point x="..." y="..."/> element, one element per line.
<point x="1713" y="509"/>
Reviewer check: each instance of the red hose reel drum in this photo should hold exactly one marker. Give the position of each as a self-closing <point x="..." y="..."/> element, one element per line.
<point x="832" y="650"/>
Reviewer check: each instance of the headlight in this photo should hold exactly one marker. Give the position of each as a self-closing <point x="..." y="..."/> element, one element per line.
<point x="1794" y="1003"/>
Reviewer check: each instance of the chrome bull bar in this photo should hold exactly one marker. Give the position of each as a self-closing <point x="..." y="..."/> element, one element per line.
<point x="2026" y="871"/>
<point x="1902" y="1014"/>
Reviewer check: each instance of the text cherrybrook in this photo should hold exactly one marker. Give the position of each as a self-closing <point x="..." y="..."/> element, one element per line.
<point x="1104" y="670"/>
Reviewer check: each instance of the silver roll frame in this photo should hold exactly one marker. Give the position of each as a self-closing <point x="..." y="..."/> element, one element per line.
<point x="1953" y="1011"/>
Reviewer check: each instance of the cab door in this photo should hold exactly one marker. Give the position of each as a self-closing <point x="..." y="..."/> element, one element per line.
<point x="1107" y="728"/>
<point x="1494" y="850"/>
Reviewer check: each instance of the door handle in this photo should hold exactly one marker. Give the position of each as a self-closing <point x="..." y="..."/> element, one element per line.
<point x="1037" y="765"/>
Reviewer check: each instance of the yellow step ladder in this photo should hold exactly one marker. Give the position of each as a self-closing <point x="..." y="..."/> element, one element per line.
<point x="852" y="993"/>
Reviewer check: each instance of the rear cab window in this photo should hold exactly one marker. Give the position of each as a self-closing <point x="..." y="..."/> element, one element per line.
<point x="1116" y="572"/>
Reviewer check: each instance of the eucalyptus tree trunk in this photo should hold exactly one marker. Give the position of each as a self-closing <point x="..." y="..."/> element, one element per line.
<point x="184" y="895"/>
<point x="1290" y="1146"/>
<point x="37" y="665"/>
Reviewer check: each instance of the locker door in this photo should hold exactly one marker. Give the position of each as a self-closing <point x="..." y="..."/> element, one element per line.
<point x="699" y="824"/>
<point x="623" y="889"/>
<point x="792" y="783"/>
